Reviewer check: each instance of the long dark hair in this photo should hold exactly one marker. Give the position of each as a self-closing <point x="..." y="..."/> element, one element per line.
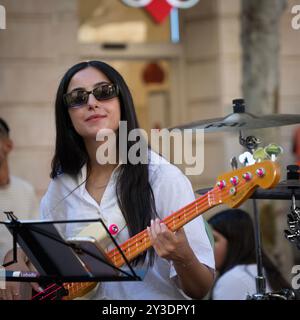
<point x="237" y="227"/>
<point x="134" y="193"/>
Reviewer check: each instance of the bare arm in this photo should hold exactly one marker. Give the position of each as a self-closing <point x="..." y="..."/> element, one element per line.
<point x="194" y="278"/>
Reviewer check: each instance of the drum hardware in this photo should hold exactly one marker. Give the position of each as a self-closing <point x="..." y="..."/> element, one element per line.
<point x="293" y="218"/>
<point x="284" y="294"/>
<point x="238" y="121"/>
<point x="250" y="143"/>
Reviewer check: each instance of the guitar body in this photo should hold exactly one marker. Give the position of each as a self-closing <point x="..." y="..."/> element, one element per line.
<point x="98" y="232"/>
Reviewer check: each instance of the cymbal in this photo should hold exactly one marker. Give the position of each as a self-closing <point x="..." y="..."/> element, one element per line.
<point x="241" y="120"/>
<point x="283" y="191"/>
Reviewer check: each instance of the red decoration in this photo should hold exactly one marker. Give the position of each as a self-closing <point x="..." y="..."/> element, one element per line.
<point x="159" y="10"/>
<point x="153" y="73"/>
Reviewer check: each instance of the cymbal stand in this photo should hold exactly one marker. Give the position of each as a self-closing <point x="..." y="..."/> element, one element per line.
<point x="294" y="221"/>
<point x="251" y="143"/>
<point x="260" y="279"/>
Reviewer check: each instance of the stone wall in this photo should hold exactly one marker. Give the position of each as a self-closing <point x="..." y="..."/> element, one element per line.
<point x="40" y="42"/>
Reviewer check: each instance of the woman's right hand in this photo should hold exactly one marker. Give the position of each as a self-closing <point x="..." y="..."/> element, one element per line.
<point x="13" y="289"/>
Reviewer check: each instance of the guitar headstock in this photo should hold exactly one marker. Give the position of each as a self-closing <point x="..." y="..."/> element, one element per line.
<point x="233" y="188"/>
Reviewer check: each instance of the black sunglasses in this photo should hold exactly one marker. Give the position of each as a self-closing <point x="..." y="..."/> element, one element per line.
<point x="80" y="97"/>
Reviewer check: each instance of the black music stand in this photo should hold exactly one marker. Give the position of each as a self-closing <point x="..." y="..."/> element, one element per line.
<point x="59" y="261"/>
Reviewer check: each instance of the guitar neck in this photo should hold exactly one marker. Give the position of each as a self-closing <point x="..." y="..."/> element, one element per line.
<point x="141" y="241"/>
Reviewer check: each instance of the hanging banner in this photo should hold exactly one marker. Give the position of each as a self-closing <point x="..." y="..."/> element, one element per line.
<point x="160" y="9"/>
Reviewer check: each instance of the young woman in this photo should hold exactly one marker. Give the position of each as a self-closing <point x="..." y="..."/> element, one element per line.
<point x="235" y="258"/>
<point x="128" y="196"/>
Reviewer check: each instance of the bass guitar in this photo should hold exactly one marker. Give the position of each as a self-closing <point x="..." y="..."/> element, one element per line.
<point x="232" y="188"/>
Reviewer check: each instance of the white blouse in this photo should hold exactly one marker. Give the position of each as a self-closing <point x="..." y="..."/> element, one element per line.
<point x="237" y="283"/>
<point x="172" y="191"/>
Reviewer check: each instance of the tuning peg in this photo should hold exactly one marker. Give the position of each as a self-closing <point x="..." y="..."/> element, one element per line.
<point x="273" y="150"/>
<point x="246" y="159"/>
<point x="260" y="154"/>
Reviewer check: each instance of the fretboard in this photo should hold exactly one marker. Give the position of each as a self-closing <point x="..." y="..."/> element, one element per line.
<point x="141" y="241"/>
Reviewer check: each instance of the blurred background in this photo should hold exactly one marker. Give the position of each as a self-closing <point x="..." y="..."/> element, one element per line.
<point x="184" y="66"/>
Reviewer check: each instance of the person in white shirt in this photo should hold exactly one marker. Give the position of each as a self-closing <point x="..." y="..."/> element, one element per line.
<point x="16" y="194"/>
<point x="235" y="258"/>
<point x="129" y="197"/>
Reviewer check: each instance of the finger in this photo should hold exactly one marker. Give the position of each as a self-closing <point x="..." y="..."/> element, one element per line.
<point x="166" y="231"/>
<point x="150" y="234"/>
<point x="157" y="227"/>
<point x="158" y="231"/>
<point x="163" y="227"/>
<point x="153" y="230"/>
<point x="166" y="234"/>
<point x="153" y="239"/>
